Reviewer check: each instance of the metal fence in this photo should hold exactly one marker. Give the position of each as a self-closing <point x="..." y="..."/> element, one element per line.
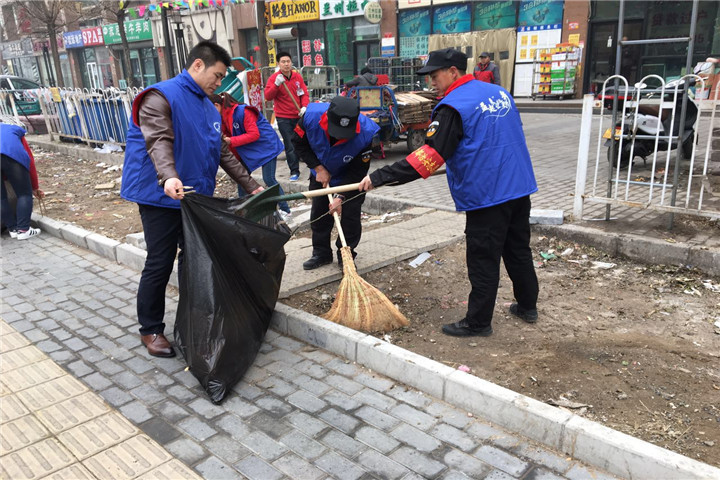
<point x="323" y="82"/>
<point x="400" y="71"/>
<point x="91" y="116"/>
<point x="654" y="124"/>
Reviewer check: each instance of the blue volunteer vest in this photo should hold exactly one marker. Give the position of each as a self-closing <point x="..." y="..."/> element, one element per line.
<point x="196" y="124"/>
<point x="334" y="158"/>
<point x="11" y="144"/>
<point x="261" y="151"/>
<point x="491" y="164"/>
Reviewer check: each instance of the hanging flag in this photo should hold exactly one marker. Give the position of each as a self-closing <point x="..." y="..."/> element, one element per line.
<point x="133" y="13"/>
<point x="141" y="10"/>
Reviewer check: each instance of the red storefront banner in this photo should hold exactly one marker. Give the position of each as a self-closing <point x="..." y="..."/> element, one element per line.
<point x="92" y="36"/>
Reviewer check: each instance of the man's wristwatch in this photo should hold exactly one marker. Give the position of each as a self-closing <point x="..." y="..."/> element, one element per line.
<point x="337" y="195"/>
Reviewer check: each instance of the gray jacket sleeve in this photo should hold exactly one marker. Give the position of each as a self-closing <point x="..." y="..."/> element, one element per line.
<point x="496" y="74"/>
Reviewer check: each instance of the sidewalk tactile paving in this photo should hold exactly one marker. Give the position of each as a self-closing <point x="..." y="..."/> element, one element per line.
<point x="20" y="433"/>
<point x="20" y="357"/>
<point x="172" y="470"/>
<point x="12" y="341"/>
<point x="73" y="411"/>
<point x="74" y="472"/>
<point x="36" y="461"/>
<point x="129" y="459"/>
<point x="52" y="392"/>
<point x="95" y="435"/>
<point x="12" y="408"/>
<point x="31" y="375"/>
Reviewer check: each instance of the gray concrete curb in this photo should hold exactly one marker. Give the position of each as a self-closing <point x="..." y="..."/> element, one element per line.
<point x="640" y="249"/>
<point x="587" y="441"/>
<point x="78" y="150"/>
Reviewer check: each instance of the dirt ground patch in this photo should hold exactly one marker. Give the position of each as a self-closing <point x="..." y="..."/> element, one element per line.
<point x="631" y="346"/>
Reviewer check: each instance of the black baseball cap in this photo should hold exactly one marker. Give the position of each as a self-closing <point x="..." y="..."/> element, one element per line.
<point x="342" y="117"/>
<point x="445" y="58"/>
<point x="484" y="54"/>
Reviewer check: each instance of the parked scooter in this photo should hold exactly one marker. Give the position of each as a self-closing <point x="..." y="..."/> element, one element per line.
<point x="640" y="136"/>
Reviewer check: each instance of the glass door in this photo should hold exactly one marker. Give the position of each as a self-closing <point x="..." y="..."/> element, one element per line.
<point x="93" y="75"/>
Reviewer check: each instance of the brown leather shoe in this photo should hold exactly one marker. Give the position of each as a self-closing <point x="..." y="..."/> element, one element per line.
<point x="157" y="345"/>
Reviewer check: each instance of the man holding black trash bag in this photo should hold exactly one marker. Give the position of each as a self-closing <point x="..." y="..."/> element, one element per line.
<point x="477" y="132"/>
<point x="174" y="144"/>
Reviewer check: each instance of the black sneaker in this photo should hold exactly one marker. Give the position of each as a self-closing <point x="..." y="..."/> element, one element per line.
<point x="463" y="329"/>
<point x="316" y="262"/>
<point x="529" y="316"/>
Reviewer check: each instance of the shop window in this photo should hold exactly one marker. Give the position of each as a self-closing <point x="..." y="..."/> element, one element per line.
<point x="312" y="44"/>
<point x="340" y="46"/>
<point x="364" y="30"/>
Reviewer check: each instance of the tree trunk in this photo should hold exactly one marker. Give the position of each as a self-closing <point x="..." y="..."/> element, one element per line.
<point x="52" y="32"/>
<point x="127" y="70"/>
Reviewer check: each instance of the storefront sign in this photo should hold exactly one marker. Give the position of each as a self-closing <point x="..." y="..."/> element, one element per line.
<point x="452" y="19"/>
<point x="135" y="31"/>
<point x="291" y="11"/>
<point x="343" y="8"/>
<point x="540" y="12"/>
<point x="492" y="15"/>
<point x="73" y="39"/>
<point x="387" y="47"/>
<point x="40" y="45"/>
<point x="312" y="51"/>
<point x="373" y="12"/>
<point x="20" y="48"/>
<point x="92" y="36"/>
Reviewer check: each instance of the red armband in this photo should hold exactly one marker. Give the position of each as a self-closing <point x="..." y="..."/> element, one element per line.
<point x="425" y="160"/>
<point x="299" y="131"/>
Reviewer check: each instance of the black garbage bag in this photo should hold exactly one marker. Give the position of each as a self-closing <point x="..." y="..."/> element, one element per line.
<point x="229" y="284"/>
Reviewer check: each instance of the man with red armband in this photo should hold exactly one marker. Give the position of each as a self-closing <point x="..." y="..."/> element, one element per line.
<point x="477" y="133"/>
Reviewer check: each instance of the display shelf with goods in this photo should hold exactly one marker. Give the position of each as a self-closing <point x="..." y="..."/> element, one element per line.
<point x="555" y="72"/>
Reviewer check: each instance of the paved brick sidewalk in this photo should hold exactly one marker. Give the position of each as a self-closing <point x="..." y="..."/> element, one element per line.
<point x="299" y="413"/>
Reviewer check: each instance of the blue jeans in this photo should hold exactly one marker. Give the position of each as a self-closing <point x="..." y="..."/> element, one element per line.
<point x="268" y="173"/>
<point x="286" y="127"/>
<point x="19" y="178"/>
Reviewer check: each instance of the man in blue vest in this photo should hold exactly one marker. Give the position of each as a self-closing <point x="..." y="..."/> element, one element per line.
<point x="174" y="143"/>
<point x="335" y="142"/>
<point x="477" y="132"/>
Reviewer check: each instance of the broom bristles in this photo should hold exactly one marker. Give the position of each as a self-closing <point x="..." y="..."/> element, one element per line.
<point x="361" y="306"/>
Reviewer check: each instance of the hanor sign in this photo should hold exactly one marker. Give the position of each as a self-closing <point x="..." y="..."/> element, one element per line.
<point x="291" y="11"/>
<point x="135" y="31"/>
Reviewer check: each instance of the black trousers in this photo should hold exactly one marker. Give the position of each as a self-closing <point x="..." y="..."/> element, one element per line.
<point x="163" y="236"/>
<point x="491" y="233"/>
<point x="322" y="227"/>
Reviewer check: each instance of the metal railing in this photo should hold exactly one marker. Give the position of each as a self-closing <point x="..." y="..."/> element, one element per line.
<point x="91" y="116"/>
<point x="400" y="71"/>
<point x="675" y="156"/>
<point x="323" y="82"/>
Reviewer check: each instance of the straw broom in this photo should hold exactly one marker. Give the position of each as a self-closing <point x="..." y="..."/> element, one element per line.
<point x="358" y="304"/>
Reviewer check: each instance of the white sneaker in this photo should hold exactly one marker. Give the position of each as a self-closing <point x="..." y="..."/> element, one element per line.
<point x="13" y="233"/>
<point x="30" y="232"/>
<point x="286" y="216"/>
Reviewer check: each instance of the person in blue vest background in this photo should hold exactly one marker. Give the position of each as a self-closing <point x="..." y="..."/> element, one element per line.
<point x="173" y="143"/>
<point x="18" y="168"/>
<point x="252" y="140"/>
<point x="335" y="142"/>
<point x="477" y="133"/>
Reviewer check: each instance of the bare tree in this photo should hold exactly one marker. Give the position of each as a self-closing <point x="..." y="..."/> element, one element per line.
<point x="46" y="18"/>
<point x="115" y="10"/>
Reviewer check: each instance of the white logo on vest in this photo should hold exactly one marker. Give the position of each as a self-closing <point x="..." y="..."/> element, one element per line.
<point x="499" y="107"/>
<point x="217" y="126"/>
<point x="347" y="158"/>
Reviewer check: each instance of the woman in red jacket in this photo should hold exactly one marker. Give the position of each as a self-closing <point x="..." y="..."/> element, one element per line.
<point x="251" y="139"/>
<point x="18" y="168"/>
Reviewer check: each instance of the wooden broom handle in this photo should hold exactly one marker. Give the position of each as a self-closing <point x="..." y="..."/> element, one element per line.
<point x="330" y="190"/>
<point x="337" y="223"/>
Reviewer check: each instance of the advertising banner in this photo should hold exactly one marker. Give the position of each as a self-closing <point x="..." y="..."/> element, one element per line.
<point x="452" y="19"/>
<point x="540" y="12"/>
<point x="492" y="15"/>
<point x="413" y="29"/>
